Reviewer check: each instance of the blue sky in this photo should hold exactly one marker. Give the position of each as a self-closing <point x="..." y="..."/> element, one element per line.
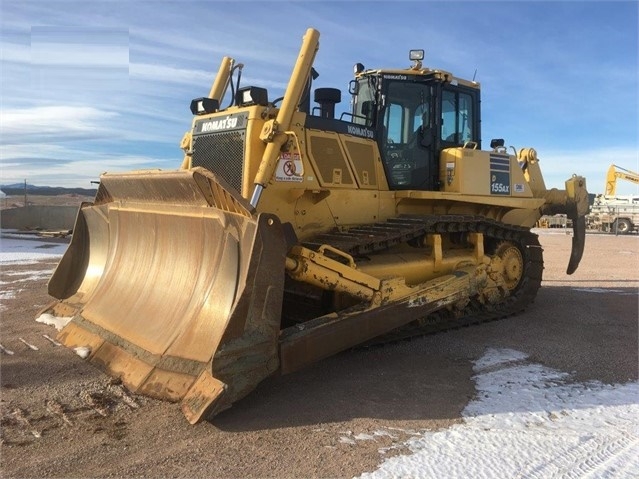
<point x="92" y="86"/>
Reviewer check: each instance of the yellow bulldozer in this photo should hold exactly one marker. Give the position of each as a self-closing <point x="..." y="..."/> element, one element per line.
<point x="288" y="235"/>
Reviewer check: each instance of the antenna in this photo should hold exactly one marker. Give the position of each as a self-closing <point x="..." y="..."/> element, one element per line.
<point x="475" y="74"/>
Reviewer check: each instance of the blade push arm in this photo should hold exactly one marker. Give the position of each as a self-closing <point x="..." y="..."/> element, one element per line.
<point x="273" y="131"/>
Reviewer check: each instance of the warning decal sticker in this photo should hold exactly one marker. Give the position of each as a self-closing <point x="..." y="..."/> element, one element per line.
<point x="289" y="168"/>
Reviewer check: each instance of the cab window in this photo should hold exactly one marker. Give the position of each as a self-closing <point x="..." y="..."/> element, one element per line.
<point x="457" y="117"/>
<point x="364" y="107"/>
<point x="393" y="123"/>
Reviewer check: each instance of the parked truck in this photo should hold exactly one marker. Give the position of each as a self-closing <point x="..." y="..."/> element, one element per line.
<point x="614" y="213"/>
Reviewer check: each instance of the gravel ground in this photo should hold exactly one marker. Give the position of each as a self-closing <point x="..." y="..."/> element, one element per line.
<point x="338" y="418"/>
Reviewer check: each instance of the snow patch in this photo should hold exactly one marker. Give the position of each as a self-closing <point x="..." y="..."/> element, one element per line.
<point x="25" y="276"/>
<point x="21" y="252"/>
<point x="529" y="421"/>
<point x="82" y="351"/>
<point x="6" y="351"/>
<point x="51" y="340"/>
<point x="604" y="291"/>
<point x="364" y="437"/>
<point x="50" y="320"/>
<point x="346" y="440"/>
<point x="7" y="295"/>
<point x="33" y="347"/>
<point x="498" y="357"/>
<point x="384" y="433"/>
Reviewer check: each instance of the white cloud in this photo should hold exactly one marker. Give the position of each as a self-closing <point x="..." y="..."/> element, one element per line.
<point x="87" y="56"/>
<point x="199" y="78"/>
<point x="49" y="164"/>
<point x="15" y="52"/>
<point x="74" y="170"/>
<point x="57" y="121"/>
<point x="164" y="73"/>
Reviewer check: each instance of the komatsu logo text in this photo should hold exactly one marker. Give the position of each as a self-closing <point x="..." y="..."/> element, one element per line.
<point x="216" y="125"/>
<point x="359" y="131"/>
<point x="395" y="77"/>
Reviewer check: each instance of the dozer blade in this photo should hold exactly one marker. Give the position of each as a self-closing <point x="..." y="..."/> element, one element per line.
<point x="175" y="287"/>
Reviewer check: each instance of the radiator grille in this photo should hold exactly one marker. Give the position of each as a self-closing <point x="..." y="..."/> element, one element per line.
<point x="222" y="153"/>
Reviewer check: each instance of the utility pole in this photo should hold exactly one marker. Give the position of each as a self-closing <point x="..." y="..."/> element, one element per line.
<point x="25" y="193"/>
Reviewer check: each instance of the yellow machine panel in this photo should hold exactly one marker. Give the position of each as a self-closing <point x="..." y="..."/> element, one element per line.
<point x="364" y="158"/>
<point x="476" y="172"/>
<point x="329" y="159"/>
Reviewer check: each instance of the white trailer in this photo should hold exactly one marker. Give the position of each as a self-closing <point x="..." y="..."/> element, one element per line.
<point x="614" y="214"/>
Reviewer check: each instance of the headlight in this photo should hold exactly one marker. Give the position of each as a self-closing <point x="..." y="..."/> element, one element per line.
<point x="202" y="106"/>
<point x="251" y="95"/>
<point x="416" y="55"/>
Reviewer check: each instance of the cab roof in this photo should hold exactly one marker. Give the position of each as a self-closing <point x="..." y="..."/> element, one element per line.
<point x="440" y="75"/>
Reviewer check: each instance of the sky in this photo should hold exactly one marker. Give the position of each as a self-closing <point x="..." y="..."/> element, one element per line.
<point x="89" y="87"/>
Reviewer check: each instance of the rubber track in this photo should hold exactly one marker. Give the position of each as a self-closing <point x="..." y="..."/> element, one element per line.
<point x="367" y="239"/>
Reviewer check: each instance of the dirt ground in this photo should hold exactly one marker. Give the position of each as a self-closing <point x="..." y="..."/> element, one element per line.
<point x="61" y="417"/>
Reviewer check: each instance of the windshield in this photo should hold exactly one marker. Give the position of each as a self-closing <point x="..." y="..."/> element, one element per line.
<point x="407" y="111"/>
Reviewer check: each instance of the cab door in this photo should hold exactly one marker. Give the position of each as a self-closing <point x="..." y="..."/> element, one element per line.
<point x="406" y="141"/>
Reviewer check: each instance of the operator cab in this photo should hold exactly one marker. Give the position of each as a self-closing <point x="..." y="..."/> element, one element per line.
<point x="415" y="113"/>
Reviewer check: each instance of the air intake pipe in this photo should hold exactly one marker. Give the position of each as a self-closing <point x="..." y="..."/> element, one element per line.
<point x="327" y="99"/>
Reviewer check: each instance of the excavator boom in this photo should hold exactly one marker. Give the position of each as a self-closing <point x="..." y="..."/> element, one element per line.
<point x="618" y="173"/>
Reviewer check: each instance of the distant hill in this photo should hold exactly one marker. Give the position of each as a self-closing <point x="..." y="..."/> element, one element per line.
<point x="16" y="189"/>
